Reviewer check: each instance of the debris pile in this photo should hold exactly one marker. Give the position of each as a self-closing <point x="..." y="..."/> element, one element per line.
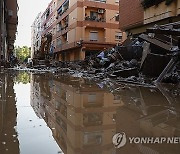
<point x="151" y="58"/>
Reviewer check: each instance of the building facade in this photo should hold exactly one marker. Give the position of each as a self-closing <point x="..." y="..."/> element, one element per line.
<point x="81" y="27"/>
<point x="36" y="35"/>
<point x="146" y="14"/>
<point x="8" y="28"/>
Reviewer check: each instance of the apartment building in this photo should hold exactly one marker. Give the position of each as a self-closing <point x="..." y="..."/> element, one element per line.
<point x="144" y="14"/>
<point x="85" y="27"/>
<point x="36" y="97"/>
<point x="48" y="22"/>
<point x="8" y="27"/>
<point x="36" y="35"/>
<point x="81" y="27"/>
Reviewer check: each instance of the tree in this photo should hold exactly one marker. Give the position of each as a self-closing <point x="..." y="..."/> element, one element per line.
<point x="22" y="53"/>
<point x="22" y="77"/>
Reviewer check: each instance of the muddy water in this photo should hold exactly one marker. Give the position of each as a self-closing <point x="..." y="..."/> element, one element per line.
<point x="44" y="114"/>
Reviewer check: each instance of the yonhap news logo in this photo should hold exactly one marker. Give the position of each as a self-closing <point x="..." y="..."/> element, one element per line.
<point x="120" y="139"/>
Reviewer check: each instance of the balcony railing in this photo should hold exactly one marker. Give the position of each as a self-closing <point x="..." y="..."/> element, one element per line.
<point x="102" y="1"/>
<point x="64" y="46"/>
<point x="61" y="28"/>
<point x="98" y="40"/>
<point x="88" y="18"/>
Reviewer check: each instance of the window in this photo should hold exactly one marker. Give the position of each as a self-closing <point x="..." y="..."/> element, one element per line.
<point x="118" y="36"/>
<point x="91" y="98"/>
<point x="93" y="36"/>
<point x="91" y="138"/>
<point x="92" y="119"/>
<point x="64" y="95"/>
<point x="54" y="31"/>
<point x="59" y="27"/>
<point x="102" y="1"/>
<point x="117" y="97"/>
<point x="54" y="18"/>
<point x="117" y="17"/>
<point x="59" y="42"/>
<point x="47" y="13"/>
<point x="54" y="5"/>
<point x="93" y="15"/>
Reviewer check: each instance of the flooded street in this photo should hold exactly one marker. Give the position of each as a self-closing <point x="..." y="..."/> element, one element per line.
<point x="46" y="114"/>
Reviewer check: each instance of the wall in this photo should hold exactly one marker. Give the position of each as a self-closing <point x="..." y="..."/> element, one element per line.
<point x="131" y="14"/>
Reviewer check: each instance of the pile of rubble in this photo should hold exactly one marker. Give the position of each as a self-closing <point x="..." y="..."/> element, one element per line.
<point x="151" y="58"/>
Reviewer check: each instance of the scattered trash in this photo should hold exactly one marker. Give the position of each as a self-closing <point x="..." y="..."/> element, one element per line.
<point x="4" y="143"/>
<point x="147" y="60"/>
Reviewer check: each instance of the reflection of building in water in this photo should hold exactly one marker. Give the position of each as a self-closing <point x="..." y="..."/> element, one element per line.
<point x="8" y="136"/>
<point x="38" y="94"/>
<point x="81" y="116"/>
<point x="148" y="113"/>
<point x="164" y="123"/>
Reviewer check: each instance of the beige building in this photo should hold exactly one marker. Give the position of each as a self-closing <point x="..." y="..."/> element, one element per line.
<point x="82" y="117"/>
<point x="81" y="27"/>
<point x="36" y="35"/>
<point x="85" y="26"/>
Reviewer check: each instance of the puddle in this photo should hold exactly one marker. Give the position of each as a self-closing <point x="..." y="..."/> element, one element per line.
<point x="41" y="113"/>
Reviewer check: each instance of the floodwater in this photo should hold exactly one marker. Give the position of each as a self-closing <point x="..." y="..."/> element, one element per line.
<point x="46" y="114"/>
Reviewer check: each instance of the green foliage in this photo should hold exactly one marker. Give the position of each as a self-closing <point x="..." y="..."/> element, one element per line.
<point x="23" y="77"/>
<point x="22" y="53"/>
<point x="149" y="3"/>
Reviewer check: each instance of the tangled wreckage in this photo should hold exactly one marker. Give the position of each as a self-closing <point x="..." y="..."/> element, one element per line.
<point x="151" y="58"/>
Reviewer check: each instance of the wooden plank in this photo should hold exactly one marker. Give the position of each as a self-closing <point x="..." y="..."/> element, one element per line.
<point x="156" y="42"/>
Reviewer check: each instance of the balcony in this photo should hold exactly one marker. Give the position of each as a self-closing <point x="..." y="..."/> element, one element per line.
<point x="94" y="17"/>
<point x="101" y="1"/>
<point x="89" y="43"/>
<point x="92" y="119"/>
<point x="63" y="8"/>
<point x="60" y="27"/>
<point x="88" y="18"/>
<point x="93" y="40"/>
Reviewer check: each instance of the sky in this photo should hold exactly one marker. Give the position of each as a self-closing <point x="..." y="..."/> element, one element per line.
<point x="28" y="10"/>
